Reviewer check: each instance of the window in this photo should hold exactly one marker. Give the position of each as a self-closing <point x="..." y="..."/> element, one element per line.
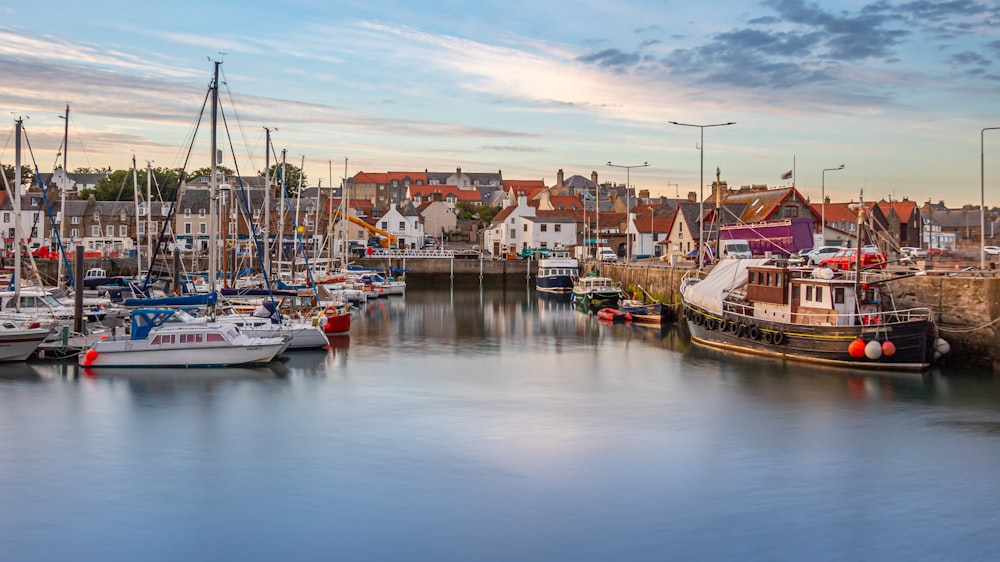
<point x="402" y="225"/>
<point x="74" y="220"/>
<point x="809" y="292"/>
<point x="110" y="230"/>
<point x="232" y="228"/>
<point x="123" y="230"/>
<point x="74" y="233"/>
<point x="526" y="227"/>
<point x="6" y="217"/>
<point x="819" y="294"/>
<point x="187" y="213"/>
<point x="791" y="211"/>
<point x="838" y="295"/>
<point x="795" y="292"/>
<point x="385" y="225"/>
<point x="201" y="213"/>
<point x="187" y="228"/>
<point x="95" y="230"/>
<point x="202" y="228"/>
<point x="214" y="337"/>
<point x="544" y="228"/>
<point x="513" y="233"/>
<point x="141" y="229"/>
<point x="558" y="228"/>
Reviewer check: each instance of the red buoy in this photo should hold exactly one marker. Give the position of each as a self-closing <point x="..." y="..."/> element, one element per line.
<point x="857" y="348"/>
<point x="888" y="349"/>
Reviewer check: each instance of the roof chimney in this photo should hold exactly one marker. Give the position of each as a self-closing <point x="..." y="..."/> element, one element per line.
<point x="559" y="178"/>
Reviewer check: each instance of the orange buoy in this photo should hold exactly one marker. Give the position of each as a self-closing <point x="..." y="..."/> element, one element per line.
<point x="857" y="348"/>
<point x="888" y="349"/>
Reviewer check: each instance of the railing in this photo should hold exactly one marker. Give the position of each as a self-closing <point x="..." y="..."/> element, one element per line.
<point x="445" y="254"/>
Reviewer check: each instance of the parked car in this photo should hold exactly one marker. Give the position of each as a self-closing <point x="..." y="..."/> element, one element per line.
<point x="991" y="250"/>
<point x="935" y="252"/>
<point x="847" y="258"/>
<point x="800" y="257"/>
<point x="821" y="253"/>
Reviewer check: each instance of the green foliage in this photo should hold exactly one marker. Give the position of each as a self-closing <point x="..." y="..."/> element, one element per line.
<point x="487" y="213"/>
<point x="118" y="186"/>
<point x="292" y="174"/>
<point x="207" y="171"/>
<point x="26" y="174"/>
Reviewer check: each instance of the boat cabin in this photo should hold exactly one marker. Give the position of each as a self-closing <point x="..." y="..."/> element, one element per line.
<point x="813" y="297"/>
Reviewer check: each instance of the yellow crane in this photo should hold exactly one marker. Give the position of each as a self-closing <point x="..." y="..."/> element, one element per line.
<point x="386" y="239"/>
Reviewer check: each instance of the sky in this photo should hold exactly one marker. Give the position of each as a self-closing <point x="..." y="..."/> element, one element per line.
<point x="897" y="92"/>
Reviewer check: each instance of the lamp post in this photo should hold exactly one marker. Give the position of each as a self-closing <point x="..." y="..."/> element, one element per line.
<point x="701" y="182"/>
<point x="628" y="206"/>
<point x="982" y="197"/>
<point x="822" y="194"/>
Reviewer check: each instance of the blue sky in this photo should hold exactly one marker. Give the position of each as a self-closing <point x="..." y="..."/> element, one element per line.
<point x="896" y="91"/>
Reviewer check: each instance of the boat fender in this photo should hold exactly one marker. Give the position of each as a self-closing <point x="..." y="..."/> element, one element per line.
<point x="732" y="326"/>
<point x="767" y="337"/>
<point x="779" y="337"/>
<point x="699" y="319"/>
<point x="741" y="330"/>
<point x="754" y="333"/>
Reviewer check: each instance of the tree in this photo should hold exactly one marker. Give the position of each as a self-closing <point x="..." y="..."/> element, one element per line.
<point x="27" y="175"/>
<point x="118" y="186"/>
<point x="207" y="171"/>
<point x="292" y="173"/>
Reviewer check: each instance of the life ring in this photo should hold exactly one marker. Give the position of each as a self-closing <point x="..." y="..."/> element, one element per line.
<point x="754" y="333"/>
<point x="766" y="336"/>
<point x="779" y="337"/>
<point x="330" y="312"/>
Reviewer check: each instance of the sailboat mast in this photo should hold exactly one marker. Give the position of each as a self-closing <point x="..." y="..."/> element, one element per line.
<point x="17" y="209"/>
<point x="213" y="189"/>
<point x="149" y="214"/>
<point x="135" y="201"/>
<point x="265" y="265"/>
<point x="62" y="195"/>
<point x="281" y="215"/>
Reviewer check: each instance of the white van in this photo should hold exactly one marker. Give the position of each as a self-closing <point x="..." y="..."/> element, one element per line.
<point x="738" y="249"/>
<point x="606" y="254"/>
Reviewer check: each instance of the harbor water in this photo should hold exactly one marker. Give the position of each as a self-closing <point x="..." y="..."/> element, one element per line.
<point x="471" y="424"/>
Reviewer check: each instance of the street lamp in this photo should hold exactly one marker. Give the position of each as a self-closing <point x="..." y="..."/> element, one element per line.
<point x="701" y="182"/>
<point x="628" y="206"/>
<point x="822" y="194"/>
<point x="982" y="197"/>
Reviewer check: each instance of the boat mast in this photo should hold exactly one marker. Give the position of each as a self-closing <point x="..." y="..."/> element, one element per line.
<point x="62" y="196"/>
<point x="281" y="214"/>
<point x="135" y="201"/>
<point x="149" y="215"/>
<point x="18" y="124"/>
<point x="213" y="190"/>
<point x="266" y="264"/>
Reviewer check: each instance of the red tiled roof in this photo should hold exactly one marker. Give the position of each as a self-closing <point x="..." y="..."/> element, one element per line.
<point x="522" y="184"/>
<point x="400" y="176"/>
<point x="371" y="177"/>
<point x="566" y="201"/>
<point x="428" y="191"/>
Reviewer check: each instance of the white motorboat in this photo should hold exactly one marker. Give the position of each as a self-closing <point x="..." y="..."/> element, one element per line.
<point x="18" y="343"/>
<point x="163" y="337"/>
<point x="265" y="322"/>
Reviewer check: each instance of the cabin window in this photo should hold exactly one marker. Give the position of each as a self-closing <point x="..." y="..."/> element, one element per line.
<point x="838" y="295"/>
<point x="779" y="277"/>
<point x="809" y="293"/>
<point x="770" y="279"/>
<point x="819" y="294"/>
<point x="795" y="292"/>
<point x="214" y="337"/>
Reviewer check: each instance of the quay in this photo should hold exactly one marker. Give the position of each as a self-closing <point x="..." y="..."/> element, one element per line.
<point x="966" y="302"/>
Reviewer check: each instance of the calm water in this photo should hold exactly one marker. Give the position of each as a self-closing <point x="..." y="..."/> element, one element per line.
<point x="494" y="426"/>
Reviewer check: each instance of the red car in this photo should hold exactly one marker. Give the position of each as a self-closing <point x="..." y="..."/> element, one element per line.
<point x="848" y="259"/>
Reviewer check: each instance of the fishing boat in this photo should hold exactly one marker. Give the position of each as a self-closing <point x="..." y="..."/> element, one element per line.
<point x="164" y="337"/>
<point x="843" y="318"/>
<point x="18" y="343"/>
<point x="846" y="318"/>
<point x="557" y="273"/>
<point x="594" y="292"/>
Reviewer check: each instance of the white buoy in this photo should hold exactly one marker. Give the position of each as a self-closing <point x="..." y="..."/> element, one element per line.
<point x="873" y="350"/>
<point x="941" y="346"/>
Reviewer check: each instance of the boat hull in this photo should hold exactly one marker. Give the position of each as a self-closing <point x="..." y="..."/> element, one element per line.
<point x="19" y="345"/>
<point x="137" y="353"/>
<point x="913" y="340"/>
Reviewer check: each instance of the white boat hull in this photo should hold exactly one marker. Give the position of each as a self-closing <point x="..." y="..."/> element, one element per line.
<point x="18" y="345"/>
<point x="139" y="353"/>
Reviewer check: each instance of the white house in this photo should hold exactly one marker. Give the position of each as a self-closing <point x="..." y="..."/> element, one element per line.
<point x="522" y="226"/>
<point x="403" y="223"/>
